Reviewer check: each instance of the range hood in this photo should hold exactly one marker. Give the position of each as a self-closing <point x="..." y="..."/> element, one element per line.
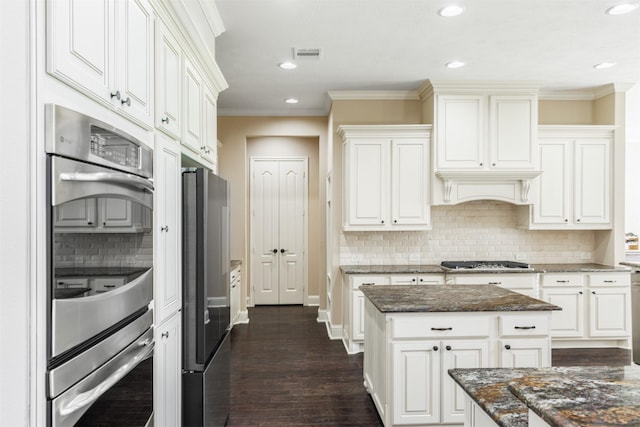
<point x="459" y="186"/>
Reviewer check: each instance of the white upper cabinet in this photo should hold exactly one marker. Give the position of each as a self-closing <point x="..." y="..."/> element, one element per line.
<point x="574" y="190"/>
<point x="485" y="132"/>
<point x="209" y="147"/>
<point x="386" y="177"/>
<point x="104" y="49"/>
<point x="192" y="129"/>
<point x="168" y="81"/>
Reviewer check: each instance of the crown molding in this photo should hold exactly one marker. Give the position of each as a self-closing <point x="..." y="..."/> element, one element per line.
<point x="354" y="95"/>
<point x="385" y="131"/>
<point x="478" y="86"/>
<point x="588" y="94"/>
<point x="276" y="112"/>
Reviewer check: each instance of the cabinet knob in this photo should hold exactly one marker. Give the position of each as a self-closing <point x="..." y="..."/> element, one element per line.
<point x="165" y="120"/>
<point x="275" y="251"/>
<point x="89" y="223"/>
<point x="448" y="348"/>
<point x="413" y="280"/>
<point x="382" y="222"/>
<point x="566" y="220"/>
<point x="126" y="101"/>
<point x="508" y="347"/>
<point x="481" y="164"/>
<point x="395" y="221"/>
<point x="580" y="293"/>
<point x="165" y="228"/>
<point x="578" y="220"/>
<point x="593" y="292"/>
<point x="283" y="251"/>
<point x="435" y="348"/>
<point x="115" y="95"/>
<point x="165" y="335"/>
<point x="493" y="164"/>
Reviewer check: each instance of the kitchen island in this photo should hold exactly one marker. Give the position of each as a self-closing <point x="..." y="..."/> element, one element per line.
<point x="561" y="396"/>
<point x="415" y="334"/>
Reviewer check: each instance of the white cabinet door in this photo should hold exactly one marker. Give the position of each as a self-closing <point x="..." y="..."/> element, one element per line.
<point x="134" y="59"/>
<point x="368" y="182"/>
<point x="458" y="355"/>
<point x="569" y="322"/>
<point x="167" y="229"/>
<point x="192" y="93"/>
<point x="592" y="182"/>
<point x="554" y="191"/>
<point x="115" y="213"/>
<point x="209" y="124"/>
<point x="525" y="353"/>
<point x="404" y="279"/>
<point x="168" y="81"/>
<point x="512" y="131"/>
<point x="80" y="45"/>
<point x="357" y="318"/>
<point x="609" y="312"/>
<point x="77" y="213"/>
<point x="460" y="133"/>
<point x="167" y="375"/>
<point x="409" y="189"/>
<point x="415" y="391"/>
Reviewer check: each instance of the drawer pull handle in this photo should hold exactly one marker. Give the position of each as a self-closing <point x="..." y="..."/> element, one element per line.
<point x="495" y="283"/>
<point x="109" y="286"/>
<point x="609" y="281"/>
<point x="441" y="329"/>
<point x="524" y="327"/>
<point x="508" y="347"/>
<point x="562" y="281"/>
<point x="368" y="284"/>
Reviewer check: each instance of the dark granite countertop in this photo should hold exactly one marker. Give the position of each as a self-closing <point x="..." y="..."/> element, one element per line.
<point x="634" y="265"/>
<point x="450" y="298"/>
<point x="435" y="269"/>
<point x="392" y="269"/>
<point x="235" y="263"/>
<point x="561" y="396"/>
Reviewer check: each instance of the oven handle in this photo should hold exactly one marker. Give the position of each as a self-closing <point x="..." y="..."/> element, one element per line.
<point x="90" y="396"/>
<point x="110" y="177"/>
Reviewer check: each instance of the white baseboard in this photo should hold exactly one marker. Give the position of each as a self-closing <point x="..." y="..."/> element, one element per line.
<point x="243" y="317"/>
<point x="334" y="331"/>
<point x="322" y="316"/>
<point x="313" y="300"/>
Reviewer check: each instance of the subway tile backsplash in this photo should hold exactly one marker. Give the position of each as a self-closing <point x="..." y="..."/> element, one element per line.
<point x="103" y="249"/>
<point x="469" y="231"/>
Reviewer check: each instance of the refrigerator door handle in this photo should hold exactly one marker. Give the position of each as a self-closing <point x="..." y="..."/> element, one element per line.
<point x="207" y="320"/>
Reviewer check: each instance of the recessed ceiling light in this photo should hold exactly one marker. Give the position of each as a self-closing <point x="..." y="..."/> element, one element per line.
<point x="454" y="64"/>
<point x="621" y="8"/>
<point x="451" y="10"/>
<point x="604" y="65"/>
<point x="287" y="66"/>
<point x="291" y="101"/>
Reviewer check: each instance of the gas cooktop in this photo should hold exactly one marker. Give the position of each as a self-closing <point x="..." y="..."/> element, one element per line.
<point x="485" y="265"/>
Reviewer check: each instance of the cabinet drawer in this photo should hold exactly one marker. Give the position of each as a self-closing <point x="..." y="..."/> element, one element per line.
<point x="513" y="280"/>
<point x="609" y="279"/>
<point x="101" y="285"/>
<point x="357" y="281"/>
<point x="523" y="325"/>
<point x="439" y="327"/>
<point x="562" y="279"/>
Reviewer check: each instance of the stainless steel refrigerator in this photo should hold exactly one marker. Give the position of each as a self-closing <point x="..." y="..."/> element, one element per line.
<point x="206" y="355"/>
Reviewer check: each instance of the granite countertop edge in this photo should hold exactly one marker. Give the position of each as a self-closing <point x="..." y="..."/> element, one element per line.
<point x="436" y="269"/>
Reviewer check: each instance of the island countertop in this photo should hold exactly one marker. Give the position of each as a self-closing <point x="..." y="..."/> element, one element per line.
<point x="561" y="396"/>
<point x="450" y="298"/>
<point x="436" y="269"/>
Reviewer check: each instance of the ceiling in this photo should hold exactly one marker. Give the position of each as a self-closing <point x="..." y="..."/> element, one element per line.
<point x="395" y="45"/>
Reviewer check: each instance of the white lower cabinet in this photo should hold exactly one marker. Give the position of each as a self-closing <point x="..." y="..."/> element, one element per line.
<point x="421" y="279"/>
<point x="596" y="308"/>
<point x="408" y="356"/>
<point x="524" y="283"/>
<point x="235" y="280"/>
<point x="353" y="311"/>
<point x="167" y="373"/>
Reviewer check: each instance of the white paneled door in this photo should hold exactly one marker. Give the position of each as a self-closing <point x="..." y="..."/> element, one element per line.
<point x="278" y="229"/>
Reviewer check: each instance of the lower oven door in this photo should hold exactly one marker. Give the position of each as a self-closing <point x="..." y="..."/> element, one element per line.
<point x="118" y="393"/>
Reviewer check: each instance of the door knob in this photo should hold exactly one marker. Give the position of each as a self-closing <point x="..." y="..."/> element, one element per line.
<point x="282" y="251"/>
<point x="275" y="251"/>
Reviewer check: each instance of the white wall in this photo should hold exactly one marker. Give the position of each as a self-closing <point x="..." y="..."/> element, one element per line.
<point x="469" y="231"/>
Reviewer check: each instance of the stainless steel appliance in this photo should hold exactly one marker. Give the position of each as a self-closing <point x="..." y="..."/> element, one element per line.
<point x="206" y="302"/>
<point x="485" y="265"/>
<point x="635" y="315"/>
<point x="100" y="276"/>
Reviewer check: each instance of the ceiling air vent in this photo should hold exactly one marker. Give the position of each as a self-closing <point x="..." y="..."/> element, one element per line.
<point x="306" y="53"/>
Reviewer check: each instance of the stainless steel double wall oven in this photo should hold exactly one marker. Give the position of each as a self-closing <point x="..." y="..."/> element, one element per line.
<point x="100" y="273"/>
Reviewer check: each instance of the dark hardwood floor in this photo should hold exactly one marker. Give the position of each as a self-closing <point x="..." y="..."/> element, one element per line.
<point x="286" y="372"/>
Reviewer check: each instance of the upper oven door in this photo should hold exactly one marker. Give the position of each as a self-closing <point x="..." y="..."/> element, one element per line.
<point x="101" y="250"/>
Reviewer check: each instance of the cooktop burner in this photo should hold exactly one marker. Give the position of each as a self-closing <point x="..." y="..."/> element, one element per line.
<point x="484" y="265"/>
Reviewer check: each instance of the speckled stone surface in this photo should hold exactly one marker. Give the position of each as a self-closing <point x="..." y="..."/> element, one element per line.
<point x="634" y="265"/>
<point x="450" y="298"/>
<point x="562" y="396"/>
<point x="235" y="263"/>
<point x="489" y="389"/>
<point x="577" y="268"/>
<point x="391" y="269"/>
<point x="435" y="269"/>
